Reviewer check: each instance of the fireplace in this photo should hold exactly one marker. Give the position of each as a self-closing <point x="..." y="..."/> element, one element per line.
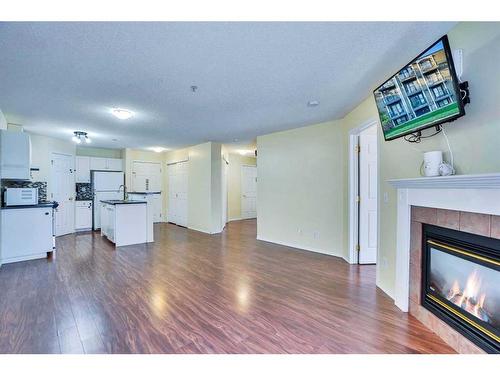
<point x="461" y="283"/>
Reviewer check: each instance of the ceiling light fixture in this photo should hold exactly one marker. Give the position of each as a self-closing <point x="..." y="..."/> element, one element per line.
<point x="121" y="113"/>
<point x="158" y="149"/>
<point x="79" y="137"/>
<point x="312" y="103"/>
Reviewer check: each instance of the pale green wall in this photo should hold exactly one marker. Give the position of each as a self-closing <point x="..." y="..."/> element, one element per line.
<point x="299" y="189"/>
<point x="99" y="152"/>
<point x="301" y="186"/>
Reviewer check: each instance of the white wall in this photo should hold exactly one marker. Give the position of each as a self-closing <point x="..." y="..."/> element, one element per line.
<point x="299" y="189"/>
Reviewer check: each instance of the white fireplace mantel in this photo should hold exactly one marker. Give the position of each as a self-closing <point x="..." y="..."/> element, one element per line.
<point x="478" y="193"/>
<point x="465" y="181"/>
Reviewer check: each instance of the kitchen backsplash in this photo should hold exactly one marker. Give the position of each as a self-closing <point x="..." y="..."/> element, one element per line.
<point x="83" y="192"/>
<point x="41" y="185"/>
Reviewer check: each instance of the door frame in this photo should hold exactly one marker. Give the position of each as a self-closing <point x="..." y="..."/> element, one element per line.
<point x="168" y="191"/>
<point x="73" y="158"/>
<point x="353" y="190"/>
<point x="241" y="194"/>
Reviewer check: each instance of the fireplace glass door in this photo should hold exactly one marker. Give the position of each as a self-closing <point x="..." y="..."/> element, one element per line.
<point x="461" y="283"/>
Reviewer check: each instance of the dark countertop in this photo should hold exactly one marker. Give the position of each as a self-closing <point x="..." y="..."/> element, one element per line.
<point x="39" y="205"/>
<point x="119" y="201"/>
<point x="144" y="192"/>
<point x="83" y="200"/>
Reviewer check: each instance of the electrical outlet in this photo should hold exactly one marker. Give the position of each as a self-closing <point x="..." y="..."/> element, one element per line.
<point x="316" y="235"/>
<point x="299" y="231"/>
<point x="383" y="262"/>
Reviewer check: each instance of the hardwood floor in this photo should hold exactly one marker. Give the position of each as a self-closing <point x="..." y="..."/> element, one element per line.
<point x="194" y="293"/>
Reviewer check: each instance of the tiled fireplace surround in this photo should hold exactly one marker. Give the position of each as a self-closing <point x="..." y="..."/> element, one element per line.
<point x="482" y="224"/>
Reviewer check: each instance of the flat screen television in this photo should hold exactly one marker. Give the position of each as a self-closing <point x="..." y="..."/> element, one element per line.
<point x="425" y="93"/>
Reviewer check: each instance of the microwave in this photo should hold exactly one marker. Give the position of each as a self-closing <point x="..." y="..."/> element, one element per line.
<point x="20" y="196"/>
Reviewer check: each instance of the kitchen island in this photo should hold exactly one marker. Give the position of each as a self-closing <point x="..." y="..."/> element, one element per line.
<point x="126" y="222"/>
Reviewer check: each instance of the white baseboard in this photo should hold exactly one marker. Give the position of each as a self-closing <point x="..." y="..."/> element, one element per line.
<point x="299" y="247"/>
<point x="235" y="219"/>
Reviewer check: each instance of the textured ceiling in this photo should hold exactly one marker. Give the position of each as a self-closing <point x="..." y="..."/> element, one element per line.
<point x="252" y="78"/>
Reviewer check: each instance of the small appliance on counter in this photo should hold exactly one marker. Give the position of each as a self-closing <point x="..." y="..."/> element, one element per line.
<point x="20" y="197"/>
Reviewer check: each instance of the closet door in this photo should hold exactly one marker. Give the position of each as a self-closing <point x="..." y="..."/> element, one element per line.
<point x="177" y="193"/>
<point x="172" y="193"/>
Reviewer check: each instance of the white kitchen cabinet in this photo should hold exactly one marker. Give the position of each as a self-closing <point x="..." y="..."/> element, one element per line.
<point x="154" y="203"/>
<point x="82" y="169"/>
<point x="26" y="233"/>
<point x="114" y="164"/>
<point x="83" y="215"/>
<point x="15" y="155"/>
<point x="98" y="164"/>
<point x="106" y="164"/>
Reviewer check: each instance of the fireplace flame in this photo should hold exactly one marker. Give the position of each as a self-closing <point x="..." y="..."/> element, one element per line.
<point x="470" y="299"/>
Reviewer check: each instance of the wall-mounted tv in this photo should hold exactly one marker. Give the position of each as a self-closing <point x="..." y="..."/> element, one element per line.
<point x="425" y="93"/>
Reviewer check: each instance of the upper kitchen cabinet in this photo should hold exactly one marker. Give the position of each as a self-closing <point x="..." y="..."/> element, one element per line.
<point x="15" y="155"/>
<point x="106" y="164"/>
<point x="98" y="164"/>
<point x="82" y="169"/>
<point x="114" y="164"/>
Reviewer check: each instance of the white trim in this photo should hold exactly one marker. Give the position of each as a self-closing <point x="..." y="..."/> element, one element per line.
<point x="483" y="200"/>
<point x="353" y="187"/>
<point x="235" y="219"/>
<point x="299" y="247"/>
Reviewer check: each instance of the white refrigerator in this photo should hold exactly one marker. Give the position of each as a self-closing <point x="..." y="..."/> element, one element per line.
<point x="105" y="186"/>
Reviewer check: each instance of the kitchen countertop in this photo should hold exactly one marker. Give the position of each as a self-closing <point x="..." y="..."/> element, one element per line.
<point x="144" y="192"/>
<point x="40" y="204"/>
<point x="119" y="201"/>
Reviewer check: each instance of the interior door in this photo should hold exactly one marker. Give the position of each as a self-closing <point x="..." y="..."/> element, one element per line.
<point x="224" y="192"/>
<point x="63" y="192"/>
<point x="178" y="193"/>
<point x="368" y="196"/>
<point x="248" y="192"/>
<point x="146" y="176"/>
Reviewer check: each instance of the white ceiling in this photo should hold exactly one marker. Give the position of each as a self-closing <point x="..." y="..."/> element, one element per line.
<point x="253" y="78"/>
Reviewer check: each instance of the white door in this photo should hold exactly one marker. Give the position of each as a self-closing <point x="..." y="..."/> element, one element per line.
<point x="146" y="176"/>
<point x="63" y="192"/>
<point x="248" y="192"/>
<point x="368" y="196"/>
<point x="155" y="202"/>
<point x="178" y="193"/>
<point x="224" y="192"/>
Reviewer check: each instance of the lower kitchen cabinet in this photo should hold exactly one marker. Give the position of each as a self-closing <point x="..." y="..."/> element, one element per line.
<point x="26" y="233"/>
<point x="154" y="203"/>
<point x="83" y="215"/>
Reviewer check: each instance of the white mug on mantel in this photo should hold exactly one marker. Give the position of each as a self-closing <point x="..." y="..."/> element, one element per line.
<point x="432" y="162"/>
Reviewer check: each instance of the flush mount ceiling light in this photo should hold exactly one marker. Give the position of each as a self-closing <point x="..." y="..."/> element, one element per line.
<point x="79" y="137"/>
<point x="157" y="149"/>
<point x="121" y="113"/>
<point x="312" y="103"/>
